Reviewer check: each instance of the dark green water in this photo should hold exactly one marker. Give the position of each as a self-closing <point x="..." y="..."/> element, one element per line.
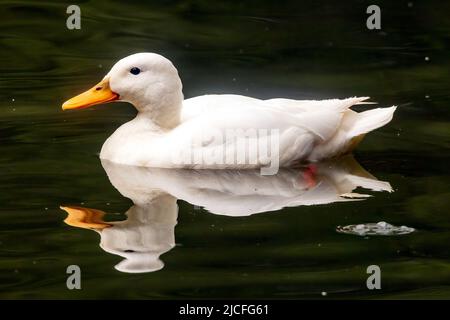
<point x="312" y="50"/>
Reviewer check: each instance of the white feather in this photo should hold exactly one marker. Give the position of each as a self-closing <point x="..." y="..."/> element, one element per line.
<point x="370" y="120"/>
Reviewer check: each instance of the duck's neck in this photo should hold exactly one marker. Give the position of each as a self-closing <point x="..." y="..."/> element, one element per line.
<point x="164" y="113"/>
<point x="164" y="119"/>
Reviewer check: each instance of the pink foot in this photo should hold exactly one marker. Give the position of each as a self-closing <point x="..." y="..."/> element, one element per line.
<point x="309" y="174"/>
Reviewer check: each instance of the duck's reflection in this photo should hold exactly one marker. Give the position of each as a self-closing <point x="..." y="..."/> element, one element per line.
<point x="149" y="230"/>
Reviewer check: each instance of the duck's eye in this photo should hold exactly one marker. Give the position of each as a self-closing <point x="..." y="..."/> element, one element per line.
<point x="135" y="71"/>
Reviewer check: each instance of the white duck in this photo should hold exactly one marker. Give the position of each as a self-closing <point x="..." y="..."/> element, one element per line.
<point x="168" y="127"/>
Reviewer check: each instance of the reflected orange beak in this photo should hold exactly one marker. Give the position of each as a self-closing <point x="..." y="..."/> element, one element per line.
<point x="100" y="93"/>
<point x="85" y="218"/>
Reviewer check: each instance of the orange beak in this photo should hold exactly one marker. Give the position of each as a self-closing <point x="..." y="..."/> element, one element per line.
<point x="100" y="93"/>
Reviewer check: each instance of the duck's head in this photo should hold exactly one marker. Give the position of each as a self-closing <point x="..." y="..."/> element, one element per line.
<point x="147" y="80"/>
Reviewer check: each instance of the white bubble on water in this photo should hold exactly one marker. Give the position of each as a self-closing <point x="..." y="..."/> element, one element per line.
<point x="381" y="228"/>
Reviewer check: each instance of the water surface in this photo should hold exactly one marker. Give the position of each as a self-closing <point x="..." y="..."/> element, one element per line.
<point x="301" y="51"/>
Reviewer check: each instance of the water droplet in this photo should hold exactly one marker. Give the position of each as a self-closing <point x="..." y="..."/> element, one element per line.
<point x="427" y="58"/>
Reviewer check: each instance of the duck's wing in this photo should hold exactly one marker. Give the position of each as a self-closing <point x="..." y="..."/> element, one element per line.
<point x="307" y="129"/>
<point x="226" y="131"/>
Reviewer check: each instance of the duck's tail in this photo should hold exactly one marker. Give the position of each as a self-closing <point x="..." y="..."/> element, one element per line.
<point x="365" y="122"/>
<point x="369" y="120"/>
<point x="352" y="130"/>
